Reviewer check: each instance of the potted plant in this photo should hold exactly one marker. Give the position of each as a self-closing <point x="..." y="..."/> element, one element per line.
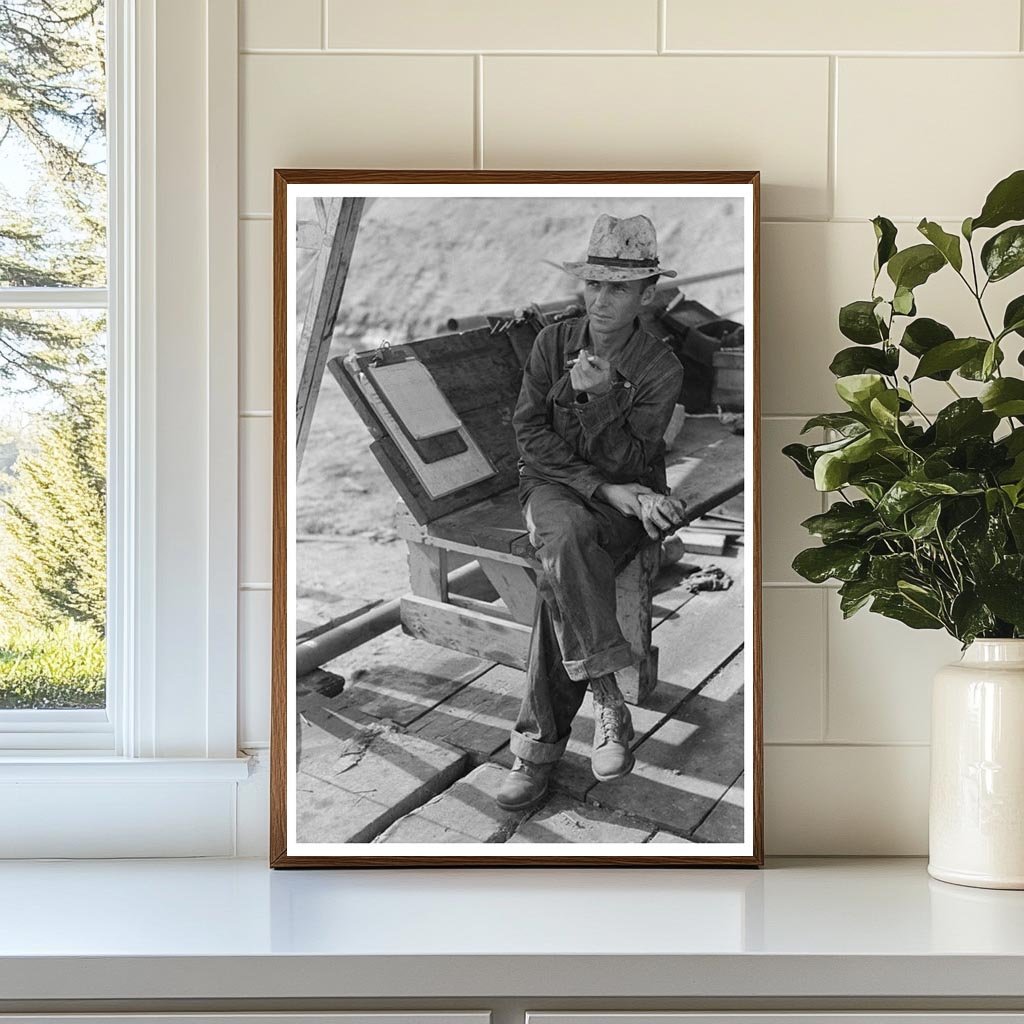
<point x="926" y="521"/>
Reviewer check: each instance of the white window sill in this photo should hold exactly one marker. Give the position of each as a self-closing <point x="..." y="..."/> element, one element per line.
<point x="76" y="766"/>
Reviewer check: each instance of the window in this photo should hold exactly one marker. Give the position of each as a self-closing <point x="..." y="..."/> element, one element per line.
<point x="53" y="372"/>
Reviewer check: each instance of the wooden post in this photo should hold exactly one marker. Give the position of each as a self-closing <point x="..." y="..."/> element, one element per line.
<point x="341" y="222"/>
<point x="634" y="590"/>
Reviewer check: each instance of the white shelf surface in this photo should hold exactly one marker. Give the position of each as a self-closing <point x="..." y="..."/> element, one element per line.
<point x="825" y="928"/>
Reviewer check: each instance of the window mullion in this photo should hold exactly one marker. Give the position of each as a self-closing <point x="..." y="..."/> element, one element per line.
<point x="53" y="298"/>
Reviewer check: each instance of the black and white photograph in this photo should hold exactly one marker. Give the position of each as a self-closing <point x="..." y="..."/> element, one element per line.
<point x="516" y="556"/>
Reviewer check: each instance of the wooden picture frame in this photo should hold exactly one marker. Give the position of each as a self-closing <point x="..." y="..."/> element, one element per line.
<point x="706" y="696"/>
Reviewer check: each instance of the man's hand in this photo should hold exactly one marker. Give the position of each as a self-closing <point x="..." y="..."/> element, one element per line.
<point x="661" y="514"/>
<point x="624" y="498"/>
<point x="591" y="374"/>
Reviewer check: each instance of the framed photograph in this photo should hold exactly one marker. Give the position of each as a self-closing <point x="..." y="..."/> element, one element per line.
<point x="516" y="553"/>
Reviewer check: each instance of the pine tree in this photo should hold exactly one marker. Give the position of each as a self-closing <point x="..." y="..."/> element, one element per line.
<point x="53" y="521"/>
<point x="53" y="119"/>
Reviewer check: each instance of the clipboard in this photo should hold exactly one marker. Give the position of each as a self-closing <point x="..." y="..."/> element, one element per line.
<point x="414" y="398"/>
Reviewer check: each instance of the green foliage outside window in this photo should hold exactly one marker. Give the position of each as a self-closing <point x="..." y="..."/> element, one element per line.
<point x="52" y="365"/>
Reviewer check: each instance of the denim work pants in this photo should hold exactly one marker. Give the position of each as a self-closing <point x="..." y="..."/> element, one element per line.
<point x="581" y="545"/>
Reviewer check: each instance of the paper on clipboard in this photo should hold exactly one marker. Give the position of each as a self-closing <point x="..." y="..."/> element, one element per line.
<point x="415" y="398"/>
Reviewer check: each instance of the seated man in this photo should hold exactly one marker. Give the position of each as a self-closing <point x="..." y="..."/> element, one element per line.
<point x="596" y="398"/>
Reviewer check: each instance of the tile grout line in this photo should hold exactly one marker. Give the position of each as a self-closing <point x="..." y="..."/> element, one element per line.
<point x="323" y="24"/>
<point x="478" y="111"/>
<point x="662" y="27"/>
<point x="768" y="55"/>
<point x="831" y="171"/>
<point x="824" y="714"/>
<point x="1020" y="24"/>
<point x="851" y="744"/>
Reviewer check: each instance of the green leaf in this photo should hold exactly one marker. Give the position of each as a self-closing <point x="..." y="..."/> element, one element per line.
<point x="970" y="617"/>
<point x="947" y="244"/>
<point x="965" y="229"/>
<point x="974" y="368"/>
<point x="1005" y="596"/>
<point x="923" y="335"/>
<point x="966" y="417"/>
<point x="831" y="471"/>
<point x="885" y="409"/>
<point x="842" y="521"/>
<point x="849" y="361"/>
<point x="833" y="420"/>
<point x="903" y="302"/>
<point x="1013" y="317"/>
<point x="800" y="456"/>
<point x="840" y="561"/>
<point x="906" y="494"/>
<point x="857" y="321"/>
<point x="949" y="355"/>
<point x="1005" y="202"/>
<point x="1003" y="254"/>
<point x="900" y="609"/>
<point x="858" y="389"/>
<point x="885" y="237"/>
<point x="991" y="360"/>
<point x="854" y="594"/>
<point x="1004" y="397"/>
<point x="887" y="570"/>
<point x="912" y="267"/>
<point x="925" y="518"/>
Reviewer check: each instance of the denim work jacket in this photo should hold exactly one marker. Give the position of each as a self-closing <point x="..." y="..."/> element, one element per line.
<point x="584" y="441"/>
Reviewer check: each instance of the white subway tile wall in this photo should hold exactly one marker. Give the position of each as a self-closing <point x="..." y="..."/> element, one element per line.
<point x="911" y="111"/>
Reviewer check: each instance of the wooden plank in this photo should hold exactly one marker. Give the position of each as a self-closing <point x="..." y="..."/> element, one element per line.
<point x="565" y="820"/>
<point x="703" y="636"/>
<point x="516" y="586"/>
<point x="713" y="473"/>
<point x="479" y="717"/>
<point x="395" y="679"/>
<point x="428" y="571"/>
<point x="495" y="523"/>
<point x="355" y="778"/>
<point x="476" y="604"/>
<point x="465" y="813"/>
<point x="667" y="837"/>
<point x="328" y="289"/>
<point x="725" y="823"/>
<point x="471" y="632"/>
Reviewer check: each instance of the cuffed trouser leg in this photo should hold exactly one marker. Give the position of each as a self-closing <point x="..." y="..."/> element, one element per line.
<point x="576" y="635"/>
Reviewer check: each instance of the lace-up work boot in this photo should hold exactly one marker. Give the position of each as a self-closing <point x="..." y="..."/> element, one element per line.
<point x="525" y="784"/>
<point x="611" y="757"/>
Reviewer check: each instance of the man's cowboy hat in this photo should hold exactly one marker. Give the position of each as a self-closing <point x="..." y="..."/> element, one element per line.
<point x="623" y="249"/>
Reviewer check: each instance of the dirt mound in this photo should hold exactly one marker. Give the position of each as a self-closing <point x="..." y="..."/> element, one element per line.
<point x="418" y="262"/>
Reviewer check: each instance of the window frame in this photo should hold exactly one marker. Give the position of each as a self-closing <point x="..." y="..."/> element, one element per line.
<point x="172" y="503"/>
<point x="59" y="730"/>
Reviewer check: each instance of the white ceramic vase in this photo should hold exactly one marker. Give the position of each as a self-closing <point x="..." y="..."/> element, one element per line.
<point x="976" y="815"/>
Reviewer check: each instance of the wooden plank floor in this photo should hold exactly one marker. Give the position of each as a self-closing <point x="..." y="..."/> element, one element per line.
<point x="414" y="749"/>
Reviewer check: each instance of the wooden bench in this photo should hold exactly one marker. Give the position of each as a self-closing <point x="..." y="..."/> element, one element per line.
<point x="479" y="373"/>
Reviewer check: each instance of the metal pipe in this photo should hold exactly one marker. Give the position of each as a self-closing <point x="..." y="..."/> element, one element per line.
<point x="314" y="652"/>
